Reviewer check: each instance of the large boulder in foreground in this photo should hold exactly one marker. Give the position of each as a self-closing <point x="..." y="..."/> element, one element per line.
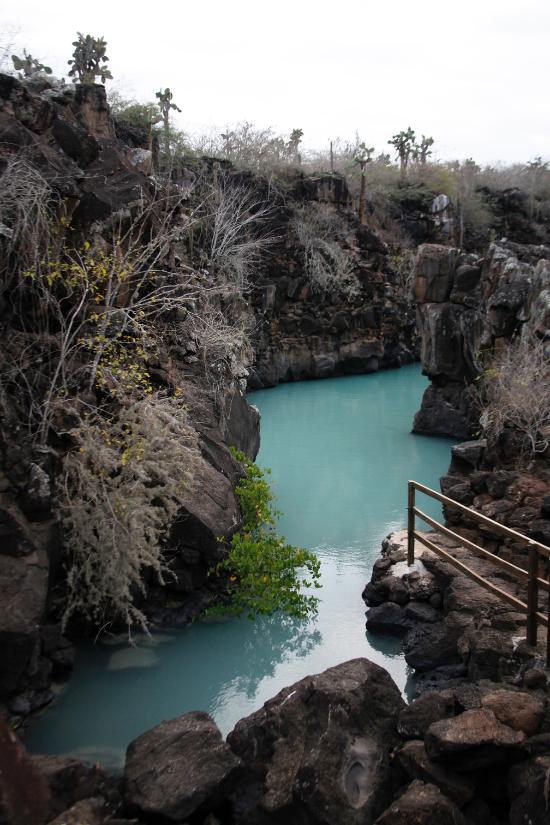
<point x="179" y="767"/>
<point x="319" y="751"/>
<point x="24" y="796"/>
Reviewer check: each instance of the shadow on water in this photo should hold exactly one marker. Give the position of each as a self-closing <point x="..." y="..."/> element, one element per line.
<point x="341" y="452"/>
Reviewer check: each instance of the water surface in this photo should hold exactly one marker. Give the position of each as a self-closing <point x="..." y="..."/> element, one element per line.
<point x="341" y="452"/>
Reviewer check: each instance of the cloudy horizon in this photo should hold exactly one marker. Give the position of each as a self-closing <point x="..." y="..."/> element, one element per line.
<point x="474" y="78"/>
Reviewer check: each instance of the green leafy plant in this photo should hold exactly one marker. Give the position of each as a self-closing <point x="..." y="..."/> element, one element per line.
<point x="265" y="573"/>
<point x="88" y="56"/>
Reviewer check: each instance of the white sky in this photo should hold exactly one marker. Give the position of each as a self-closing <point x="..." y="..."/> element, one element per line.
<point x="473" y="73"/>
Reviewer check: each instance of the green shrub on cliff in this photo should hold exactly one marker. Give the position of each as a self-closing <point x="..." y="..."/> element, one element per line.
<point x="265" y="573"/>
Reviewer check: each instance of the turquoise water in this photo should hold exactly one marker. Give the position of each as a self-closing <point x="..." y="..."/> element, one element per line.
<point x="341" y="452"/>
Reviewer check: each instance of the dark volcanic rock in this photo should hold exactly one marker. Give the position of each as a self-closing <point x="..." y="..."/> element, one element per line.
<point x="429" y="646"/>
<point x="422" y="804"/>
<point x="179" y="767"/>
<point x="24" y="797"/>
<point x="319" y="751"/>
<point x="475" y="739"/>
<point x="86" y="812"/>
<point x="388" y="618"/>
<point x="532" y="804"/>
<point x="413" y="759"/>
<point x="520" y="711"/>
<point x="70" y="781"/>
<point x="416" y="718"/>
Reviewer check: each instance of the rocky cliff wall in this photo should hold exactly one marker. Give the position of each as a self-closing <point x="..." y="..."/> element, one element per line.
<point x="468" y="305"/>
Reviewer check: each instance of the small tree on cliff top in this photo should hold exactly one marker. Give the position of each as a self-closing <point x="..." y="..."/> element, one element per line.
<point x="88" y="56"/>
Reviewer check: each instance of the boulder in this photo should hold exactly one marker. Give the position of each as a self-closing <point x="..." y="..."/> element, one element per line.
<point x="430" y="646"/>
<point x="70" y="781"/>
<point x="388" y="618"/>
<point x="86" y="812"/>
<point x="319" y="752"/>
<point x="178" y="768"/>
<point x="520" y="711"/>
<point x="24" y="796"/>
<point x="416" y="718"/>
<point x="532" y="805"/>
<point x="473" y="740"/>
<point x="415" y="762"/>
<point x="422" y="804"/>
<point x="23" y="591"/>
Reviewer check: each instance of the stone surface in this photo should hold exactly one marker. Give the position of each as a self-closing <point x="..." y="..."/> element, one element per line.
<point x="430" y="646"/>
<point x="319" y="751"/>
<point x="87" y="812"/>
<point x="520" y="711"/>
<point x="415" y="762"/>
<point x="70" y="781"/>
<point x="388" y="618"/>
<point x="24" y="797"/>
<point x="473" y="740"/>
<point x="178" y="768"/>
<point x="422" y="804"/>
<point x="416" y="718"/>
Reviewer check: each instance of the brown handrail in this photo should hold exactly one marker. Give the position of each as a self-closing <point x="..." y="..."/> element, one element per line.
<point x="530" y="576"/>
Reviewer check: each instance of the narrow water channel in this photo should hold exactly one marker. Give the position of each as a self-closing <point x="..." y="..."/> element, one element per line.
<point x="340" y="451"/>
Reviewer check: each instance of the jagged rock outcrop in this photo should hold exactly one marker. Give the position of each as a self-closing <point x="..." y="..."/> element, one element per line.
<point x="466" y="304"/>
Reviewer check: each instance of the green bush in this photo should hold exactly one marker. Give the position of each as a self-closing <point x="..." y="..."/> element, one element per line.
<point x="265" y="573"/>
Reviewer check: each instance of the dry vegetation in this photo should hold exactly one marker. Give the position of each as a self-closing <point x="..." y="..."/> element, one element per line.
<point x="87" y="318"/>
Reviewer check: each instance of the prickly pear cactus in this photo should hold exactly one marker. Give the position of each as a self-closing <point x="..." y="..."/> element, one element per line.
<point x="88" y="56"/>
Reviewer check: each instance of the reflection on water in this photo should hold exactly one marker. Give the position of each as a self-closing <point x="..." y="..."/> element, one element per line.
<point x="341" y="452"/>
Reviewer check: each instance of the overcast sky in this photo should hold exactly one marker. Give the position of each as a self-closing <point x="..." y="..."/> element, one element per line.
<point x="474" y="73"/>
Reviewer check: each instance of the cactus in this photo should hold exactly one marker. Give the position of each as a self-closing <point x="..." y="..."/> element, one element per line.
<point x="165" y="104"/>
<point x="405" y="143"/>
<point x="422" y="149"/>
<point x="27" y="66"/>
<point x="363" y="157"/>
<point x="88" y="55"/>
<point x="293" y="145"/>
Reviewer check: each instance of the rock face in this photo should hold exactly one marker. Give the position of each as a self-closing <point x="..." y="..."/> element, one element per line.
<point x="178" y="768"/>
<point x="66" y="132"/>
<point x="467" y="304"/>
<point x="319" y="752"/>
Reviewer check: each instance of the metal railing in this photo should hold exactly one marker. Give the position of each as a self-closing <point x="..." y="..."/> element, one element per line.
<point x="530" y="577"/>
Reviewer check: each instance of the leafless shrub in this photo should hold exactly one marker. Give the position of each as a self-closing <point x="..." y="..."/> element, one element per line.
<point x="121" y="489"/>
<point x="27" y="219"/>
<point x="328" y="267"/>
<point x="235" y="238"/>
<point x="222" y="336"/>
<point x="515" y="392"/>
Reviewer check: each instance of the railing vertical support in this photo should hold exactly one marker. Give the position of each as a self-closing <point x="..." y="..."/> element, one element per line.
<point x="532" y="595"/>
<point x="410" y="524"/>
<point x="548" y="624"/>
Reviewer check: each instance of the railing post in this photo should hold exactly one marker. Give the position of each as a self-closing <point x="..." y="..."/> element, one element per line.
<point x="532" y="595"/>
<point x="410" y="524"/>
